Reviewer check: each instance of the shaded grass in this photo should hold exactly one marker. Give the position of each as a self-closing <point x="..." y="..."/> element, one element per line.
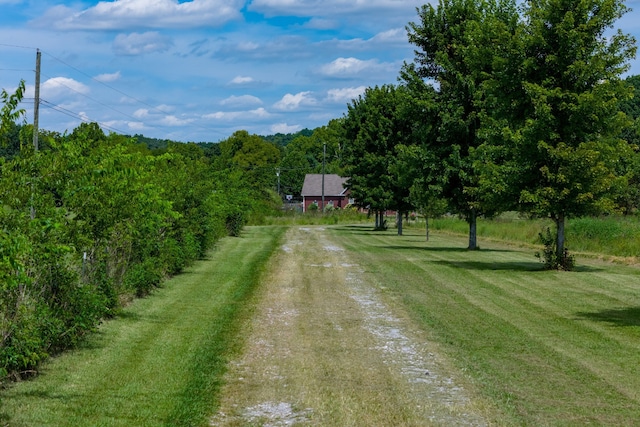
<point x="550" y="348"/>
<point x="162" y="362"/>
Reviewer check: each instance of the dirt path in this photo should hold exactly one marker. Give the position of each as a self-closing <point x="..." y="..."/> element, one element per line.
<point x="327" y="347"/>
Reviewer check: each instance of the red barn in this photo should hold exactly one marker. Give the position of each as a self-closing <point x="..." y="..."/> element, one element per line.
<point x="335" y="191"/>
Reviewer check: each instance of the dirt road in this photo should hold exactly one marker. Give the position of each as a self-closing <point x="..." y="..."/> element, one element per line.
<point x="328" y="347"/>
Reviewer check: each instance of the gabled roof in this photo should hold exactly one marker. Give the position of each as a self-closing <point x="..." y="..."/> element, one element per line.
<point x="334" y="185"/>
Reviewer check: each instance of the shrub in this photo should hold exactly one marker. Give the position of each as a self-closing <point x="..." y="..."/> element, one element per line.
<point x="143" y="277"/>
<point x="549" y="255"/>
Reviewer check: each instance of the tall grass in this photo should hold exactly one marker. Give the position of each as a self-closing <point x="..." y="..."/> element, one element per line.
<point x="612" y="236"/>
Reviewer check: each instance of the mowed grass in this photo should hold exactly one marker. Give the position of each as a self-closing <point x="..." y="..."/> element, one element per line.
<point x="549" y="348"/>
<point x="161" y="362"/>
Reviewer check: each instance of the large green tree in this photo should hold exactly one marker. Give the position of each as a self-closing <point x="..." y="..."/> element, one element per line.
<point x="563" y="134"/>
<point x="456" y="46"/>
<point x="255" y="157"/>
<point x="374" y="125"/>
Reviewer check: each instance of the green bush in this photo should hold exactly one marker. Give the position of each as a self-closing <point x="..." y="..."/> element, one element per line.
<point x="549" y="255"/>
<point x="142" y="277"/>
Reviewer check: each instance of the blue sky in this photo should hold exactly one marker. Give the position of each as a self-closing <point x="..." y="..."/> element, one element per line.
<point x="199" y="70"/>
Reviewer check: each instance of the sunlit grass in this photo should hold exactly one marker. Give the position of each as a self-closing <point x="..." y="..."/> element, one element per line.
<point x="162" y="362"/>
<point x="548" y="347"/>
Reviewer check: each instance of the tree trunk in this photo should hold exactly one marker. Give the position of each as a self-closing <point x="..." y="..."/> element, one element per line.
<point x="427" y="221"/>
<point x="473" y="244"/>
<point x="560" y="237"/>
<point x="399" y="217"/>
<point x="375" y="213"/>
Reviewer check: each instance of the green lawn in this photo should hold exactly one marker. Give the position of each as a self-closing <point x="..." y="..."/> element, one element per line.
<point x="550" y="348"/>
<point x="162" y="361"/>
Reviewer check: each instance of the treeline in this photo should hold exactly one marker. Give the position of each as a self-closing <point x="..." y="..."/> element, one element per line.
<point x="89" y="221"/>
<point x="504" y="108"/>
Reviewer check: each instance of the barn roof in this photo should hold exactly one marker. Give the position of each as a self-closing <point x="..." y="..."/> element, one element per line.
<point x="334" y="185"/>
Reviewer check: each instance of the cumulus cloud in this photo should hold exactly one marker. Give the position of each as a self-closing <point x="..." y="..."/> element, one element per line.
<point x="291" y="102"/>
<point x="136" y="126"/>
<point x="396" y="35"/>
<point x="330" y="7"/>
<point x="240" y="80"/>
<point x="322" y="24"/>
<point x="141" y="113"/>
<point x="241" y="101"/>
<point x="343" y="66"/>
<point x="108" y="78"/>
<point x="140" y="44"/>
<point x="59" y="86"/>
<point x="124" y="14"/>
<point x="345" y="95"/>
<point x="258" y="113"/>
<point x="175" y="121"/>
<point x="285" y="128"/>
<point x="279" y="49"/>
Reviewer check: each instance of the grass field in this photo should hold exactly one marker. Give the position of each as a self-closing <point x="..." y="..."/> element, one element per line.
<point x="550" y="348"/>
<point x="161" y="363"/>
<point x="546" y="348"/>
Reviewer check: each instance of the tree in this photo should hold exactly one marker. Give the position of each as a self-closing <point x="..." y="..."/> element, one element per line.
<point x="565" y="132"/>
<point x="9" y="114"/>
<point x="374" y="126"/>
<point x="257" y="158"/>
<point x="456" y="52"/>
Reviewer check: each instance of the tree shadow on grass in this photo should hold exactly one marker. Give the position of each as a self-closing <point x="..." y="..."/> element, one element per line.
<point x="629" y="316"/>
<point x="493" y="266"/>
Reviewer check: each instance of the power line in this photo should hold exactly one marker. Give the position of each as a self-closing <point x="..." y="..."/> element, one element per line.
<point x="19" y="47"/>
<point x="95" y="100"/>
<point x="127" y="95"/>
<point x="154" y="108"/>
<point x="75" y="115"/>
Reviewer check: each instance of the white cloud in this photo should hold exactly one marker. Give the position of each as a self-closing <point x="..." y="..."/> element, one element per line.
<point x="330" y="7"/>
<point x="345" y="95"/>
<point x="141" y="113"/>
<point x="322" y="24"/>
<point x="285" y="128"/>
<point x="291" y="102"/>
<point x="239" y="80"/>
<point x="124" y="14"/>
<point x="108" y="78"/>
<point x="141" y="43"/>
<point x="137" y="126"/>
<point x="241" y="101"/>
<point x="258" y="113"/>
<point x="175" y="121"/>
<point x="58" y="86"/>
<point x="396" y="35"/>
<point x="347" y="66"/>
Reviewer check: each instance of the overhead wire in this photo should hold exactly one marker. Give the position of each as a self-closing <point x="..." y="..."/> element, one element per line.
<point x="110" y="87"/>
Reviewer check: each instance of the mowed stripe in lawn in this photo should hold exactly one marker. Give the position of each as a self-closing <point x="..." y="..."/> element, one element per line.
<point x="162" y="362"/>
<point x="551" y="348"/>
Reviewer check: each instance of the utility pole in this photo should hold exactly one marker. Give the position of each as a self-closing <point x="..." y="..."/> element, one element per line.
<point x="36" y="104"/>
<point x="324" y="154"/>
<point x="36" y="117"/>
<point x="278" y="175"/>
